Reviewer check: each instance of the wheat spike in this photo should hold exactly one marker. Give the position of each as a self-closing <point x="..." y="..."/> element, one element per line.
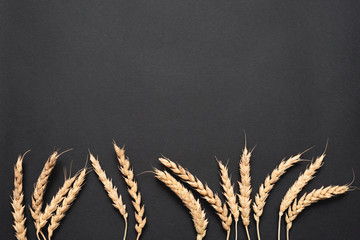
<point x="268" y="185"/>
<point x="66" y="203"/>
<point x="111" y="190"/>
<point x="229" y="193"/>
<point x="17" y="201"/>
<point x="309" y="198"/>
<point x="39" y="190"/>
<point x="198" y="215"/>
<point x="298" y="185"/>
<point x="245" y="188"/>
<point x="128" y="175"/>
<point x="204" y="191"/>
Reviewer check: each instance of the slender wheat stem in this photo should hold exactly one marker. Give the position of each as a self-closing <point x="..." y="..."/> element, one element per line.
<point x="17" y="201"/>
<point x="203" y="190"/>
<point x="128" y="175"/>
<point x="198" y="215"/>
<point x="298" y="185"/>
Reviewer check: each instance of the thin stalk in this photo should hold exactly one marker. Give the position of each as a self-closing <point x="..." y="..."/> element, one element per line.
<point x="279" y="226"/>
<point x="247" y="232"/>
<point x="43" y="235"/>
<point x="236" y="230"/>
<point x="125" y="229"/>
<point x="258" y="229"/>
<point x="227" y="235"/>
<point x="138" y="236"/>
<point x="287" y="233"/>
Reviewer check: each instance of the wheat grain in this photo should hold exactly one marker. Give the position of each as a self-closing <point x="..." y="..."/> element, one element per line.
<point x="198" y="215"/>
<point x="229" y="194"/>
<point x="268" y="185"/>
<point x="66" y="203"/>
<point x="128" y="175"/>
<point x="309" y="198"/>
<point x="245" y="189"/>
<point x="298" y="185"/>
<point x="111" y="190"/>
<point x="17" y="201"/>
<point x="204" y="191"/>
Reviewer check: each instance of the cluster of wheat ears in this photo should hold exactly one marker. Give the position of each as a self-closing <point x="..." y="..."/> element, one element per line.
<point x="237" y="204"/>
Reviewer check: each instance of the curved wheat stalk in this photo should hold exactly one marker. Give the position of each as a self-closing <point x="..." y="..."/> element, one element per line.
<point x="198" y="215"/>
<point x="17" y="201"/>
<point x="229" y="194"/>
<point x="204" y="191"/>
<point x="309" y="198"/>
<point x="128" y="175"/>
<point x="268" y="185"/>
<point x="245" y="189"/>
<point x="66" y="203"/>
<point x="298" y="185"/>
<point x="111" y="190"/>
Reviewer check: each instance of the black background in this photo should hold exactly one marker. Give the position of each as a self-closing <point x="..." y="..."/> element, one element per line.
<point x="182" y="79"/>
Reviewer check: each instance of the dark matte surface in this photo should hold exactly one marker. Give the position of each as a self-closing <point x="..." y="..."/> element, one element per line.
<point x="183" y="79"/>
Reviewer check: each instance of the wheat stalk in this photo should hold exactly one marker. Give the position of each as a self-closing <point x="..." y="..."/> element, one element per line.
<point x="66" y="203"/>
<point x="39" y="190"/>
<point x="229" y="194"/>
<point x="309" y="198"/>
<point x="128" y="175"/>
<point x="17" y="201"/>
<point x="245" y="188"/>
<point x="204" y="191"/>
<point x="268" y="185"/>
<point x="111" y="190"/>
<point x="298" y="185"/>
<point x="198" y="215"/>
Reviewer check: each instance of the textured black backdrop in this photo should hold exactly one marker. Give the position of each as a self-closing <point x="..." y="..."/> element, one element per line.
<point x="183" y="79"/>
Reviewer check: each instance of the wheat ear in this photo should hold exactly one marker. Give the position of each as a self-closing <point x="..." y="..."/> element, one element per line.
<point x="198" y="215"/>
<point x="309" y="198"/>
<point x="245" y="189"/>
<point x="39" y="190"/>
<point x="204" y="191"/>
<point x="229" y="194"/>
<point x="298" y="185"/>
<point x="268" y="185"/>
<point x="17" y="201"/>
<point x="66" y="203"/>
<point x="111" y="190"/>
<point x="128" y="175"/>
<point x="55" y="202"/>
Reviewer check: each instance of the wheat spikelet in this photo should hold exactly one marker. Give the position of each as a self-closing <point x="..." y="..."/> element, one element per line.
<point x="198" y="215"/>
<point x="111" y="190"/>
<point x="205" y="191"/>
<point x="17" y="201"/>
<point x="229" y="194"/>
<point x="245" y="188"/>
<point x="268" y="185"/>
<point x="39" y="190"/>
<point x="66" y="203"/>
<point x="298" y="185"/>
<point x="55" y="202"/>
<point x="128" y="175"/>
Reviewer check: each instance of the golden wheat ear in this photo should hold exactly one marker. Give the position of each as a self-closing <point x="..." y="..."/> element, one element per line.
<point x="188" y="199"/>
<point x="111" y="190"/>
<point x="298" y="185"/>
<point x="203" y="190"/>
<point x="268" y="185"/>
<point x="309" y="198"/>
<point x="17" y="201"/>
<point x="129" y="178"/>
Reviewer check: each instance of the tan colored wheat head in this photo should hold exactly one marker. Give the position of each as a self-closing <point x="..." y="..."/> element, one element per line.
<point x="203" y="190"/>
<point x="17" y="201"/>
<point x="268" y="185"/>
<point x="245" y="188"/>
<point x="229" y="193"/>
<point x="66" y="202"/>
<point x="298" y="185"/>
<point x="128" y="175"/>
<point x="198" y="215"/>
<point x="110" y="189"/>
